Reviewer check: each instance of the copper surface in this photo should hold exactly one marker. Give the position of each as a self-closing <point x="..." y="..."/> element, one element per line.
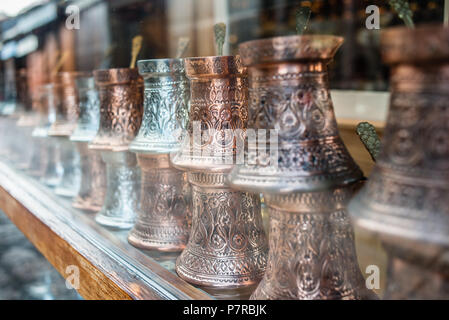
<point x="289" y="92"/>
<point x="405" y="200"/>
<point x="164" y="217"/>
<point x="67" y="108"/>
<point x="227" y="246"/>
<point x="92" y="189"/>
<point x="121" y="107"/>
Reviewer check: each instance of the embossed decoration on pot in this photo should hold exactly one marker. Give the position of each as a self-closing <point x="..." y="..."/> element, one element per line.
<point x="311" y="248"/>
<point x="121" y="104"/>
<point x="39" y="155"/>
<point x="164" y="218"/>
<point x="289" y="93"/>
<point x="227" y="246"/>
<point x="405" y="200"/>
<point x="93" y="169"/>
<point x="308" y="183"/>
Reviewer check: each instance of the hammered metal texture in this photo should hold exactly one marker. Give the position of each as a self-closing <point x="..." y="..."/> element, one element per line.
<point x="164" y="217"/>
<point x="122" y="195"/>
<point x="227" y="246"/>
<point x="405" y="200"/>
<point x="92" y="189"/>
<point x="289" y="93"/>
<point x="121" y="107"/>
<point x="165" y="214"/>
<point x="93" y="170"/>
<point x="311" y="249"/>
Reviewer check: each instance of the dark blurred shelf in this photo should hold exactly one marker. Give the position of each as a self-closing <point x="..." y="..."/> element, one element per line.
<point x="109" y="267"/>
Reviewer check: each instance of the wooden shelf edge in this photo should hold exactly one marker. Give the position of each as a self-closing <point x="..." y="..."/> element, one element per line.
<point x="106" y="270"/>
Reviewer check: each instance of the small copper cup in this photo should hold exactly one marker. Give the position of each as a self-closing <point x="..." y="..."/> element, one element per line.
<point x="121" y="108"/>
<point x="227" y="246"/>
<point x="306" y="173"/>
<point x="93" y="169"/>
<point x="164" y="219"/>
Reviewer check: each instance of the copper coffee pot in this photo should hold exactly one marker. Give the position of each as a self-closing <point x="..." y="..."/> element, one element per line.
<point x="93" y="169"/>
<point x="121" y="107"/>
<point x="164" y="218"/>
<point x="227" y="245"/>
<point x="53" y="170"/>
<point x="62" y="128"/>
<point x="304" y="170"/>
<point x="405" y="200"/>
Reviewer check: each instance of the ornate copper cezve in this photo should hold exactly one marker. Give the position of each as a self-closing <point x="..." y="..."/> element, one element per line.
<point x="405" y="201"/>
<point x="164" y="217"/>
<point x="93" y="169"/>
<point x="121" y="107"/>
<point x="227" y="246"/>
<point x="39" y="153"/>
<point x="305" y="172"/>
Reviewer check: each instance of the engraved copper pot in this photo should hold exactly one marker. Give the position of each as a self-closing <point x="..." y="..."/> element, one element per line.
<point x="25" y="126"/>
<point x="121" y="108"/>
<point x="93" y="169"/>
<point x="62" y="128"/>
<point x="405" y="201"/>
<point x="227" y="246"/>
<point x="304" y="170"/>
<point x="164" y="219"/>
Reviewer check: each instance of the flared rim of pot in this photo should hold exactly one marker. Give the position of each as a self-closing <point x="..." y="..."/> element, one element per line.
<point x="104" y="77"/>
<point x="288" y="48"/>
<point x="214" y="66"/>
<point x="427" y="42"/>
<point x="367" y="216"/>
<point x="161" y="66"/>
